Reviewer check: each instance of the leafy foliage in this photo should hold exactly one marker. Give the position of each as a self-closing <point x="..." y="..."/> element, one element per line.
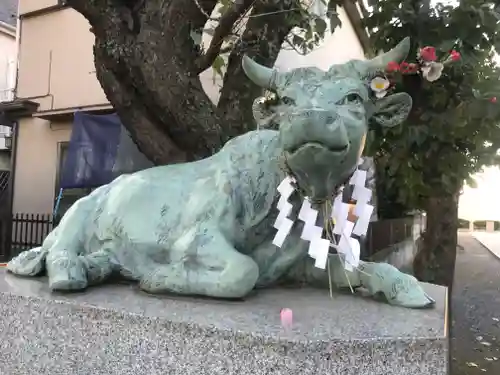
<point x="312" y="20"/>
<point x="454" y="127"/>
<point x="164" y="103"/>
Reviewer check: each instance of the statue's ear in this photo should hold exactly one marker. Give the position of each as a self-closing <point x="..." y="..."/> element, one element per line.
<point x="392" y="110"/>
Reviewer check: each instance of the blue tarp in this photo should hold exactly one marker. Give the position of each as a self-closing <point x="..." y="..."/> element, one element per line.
<point x="100" y="149"/>
<point x="91" y="151"/>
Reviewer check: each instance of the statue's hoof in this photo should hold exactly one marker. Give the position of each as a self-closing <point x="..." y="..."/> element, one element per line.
<point x="413" y="298"/>
<point x="65" y="285"/>
<point x="431" y="302"/>
<point x="399" y="289"/>
<point x="424" y="303"/>
<point x="66" y="274"/>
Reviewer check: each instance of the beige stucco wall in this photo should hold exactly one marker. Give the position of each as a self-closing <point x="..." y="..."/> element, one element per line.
<point x="36" y="164"/>
<point x="7" y="64"/>
<point x="56" y="69"/>
<point x="56" y="61"/>
<point x="8" y="52"/>
<point x="8" y="44"/>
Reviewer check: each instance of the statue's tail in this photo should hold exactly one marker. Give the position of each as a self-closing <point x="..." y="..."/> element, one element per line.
<point x="28" y="263"/>
<point x="32" y="262"/>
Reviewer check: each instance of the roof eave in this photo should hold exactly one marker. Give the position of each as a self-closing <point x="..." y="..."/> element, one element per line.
<point x="7" y="29"/>
<point x="16" y="109"/>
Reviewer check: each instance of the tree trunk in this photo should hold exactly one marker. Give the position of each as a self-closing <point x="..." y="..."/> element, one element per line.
<point x="148" y="66"/>
<point x="262" y="40"/>
<point x="435" y="261"/>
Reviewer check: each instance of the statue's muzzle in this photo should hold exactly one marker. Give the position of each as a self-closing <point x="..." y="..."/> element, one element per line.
<point x="315" y="127"/>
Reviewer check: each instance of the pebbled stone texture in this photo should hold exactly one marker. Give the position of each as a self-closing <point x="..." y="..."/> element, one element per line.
<point x="119" y="330"/>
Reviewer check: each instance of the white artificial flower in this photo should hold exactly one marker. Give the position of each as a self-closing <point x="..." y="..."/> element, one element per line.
<point x="379" y="85"/>
<point x="432" y="71"/>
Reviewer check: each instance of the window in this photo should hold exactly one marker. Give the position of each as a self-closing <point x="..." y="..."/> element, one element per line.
<point x="69" y="196"/>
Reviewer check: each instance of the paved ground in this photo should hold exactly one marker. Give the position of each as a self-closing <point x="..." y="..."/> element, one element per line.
<point x="475" y="330"/>
<point x="491" y="240"/>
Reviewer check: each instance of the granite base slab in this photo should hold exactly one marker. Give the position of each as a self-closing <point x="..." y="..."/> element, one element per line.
<point x="116" y="329"/>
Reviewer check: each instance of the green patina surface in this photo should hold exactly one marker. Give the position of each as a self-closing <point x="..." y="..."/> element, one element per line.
<point x="206" y="228"/>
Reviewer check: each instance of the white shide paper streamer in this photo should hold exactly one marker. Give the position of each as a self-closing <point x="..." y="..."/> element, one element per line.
<point x="283" y="223"/>
<point x="319" y="247"/>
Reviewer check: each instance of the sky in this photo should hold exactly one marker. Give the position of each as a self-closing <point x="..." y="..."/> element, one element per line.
<point x="483" y="202"/>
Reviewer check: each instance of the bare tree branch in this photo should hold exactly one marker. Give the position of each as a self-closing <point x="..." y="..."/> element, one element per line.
<point x="226" y="49"/>
<point x="202" y="9"/>
<point x="267" y="27"/>
<point x="146" y="64"/>
<point x="205" y="9"/>
<point x="146" y="73"/>
<point x="223" y="29"/>
<point x="362" y="7"/>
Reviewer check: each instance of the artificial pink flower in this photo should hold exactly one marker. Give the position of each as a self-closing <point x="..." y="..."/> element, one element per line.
<point x="404" y="67"/>
<point x="407" y="68"/>
<point x="412" y="68"/>
<point x="455" y="55"/>
<point x="428" y="54"/>
<point x="392" y="66"/>
<point x="286" y="316"/>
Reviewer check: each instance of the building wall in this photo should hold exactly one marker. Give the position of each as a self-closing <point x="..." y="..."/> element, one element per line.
<point x="56" y="69"/>
<point x="7" y="65"/>
<point x="36" y="164"/>
<point x="56" y="62"/>
<point x="8" y="54"/>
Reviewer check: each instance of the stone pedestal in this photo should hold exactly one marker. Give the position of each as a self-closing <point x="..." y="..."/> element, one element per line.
<point x="119" y="330"/>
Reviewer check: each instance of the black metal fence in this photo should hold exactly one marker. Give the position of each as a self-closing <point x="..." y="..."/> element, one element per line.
<point x="385" y="233"/>
<point x="29" y="230"/>
<point x="21" y="232"/>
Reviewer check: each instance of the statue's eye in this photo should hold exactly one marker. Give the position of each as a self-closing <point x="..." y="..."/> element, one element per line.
<point x="352" y="98"/>
<point x="287" y="100"/>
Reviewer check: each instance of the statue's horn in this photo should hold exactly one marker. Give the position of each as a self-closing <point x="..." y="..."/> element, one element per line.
<point x="259" y="74"/>
<point x="397" y="54"/>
